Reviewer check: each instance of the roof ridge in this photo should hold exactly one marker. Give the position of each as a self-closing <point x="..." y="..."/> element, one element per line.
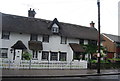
<point x="47" y="20"/>
<point x="111" y="34"/>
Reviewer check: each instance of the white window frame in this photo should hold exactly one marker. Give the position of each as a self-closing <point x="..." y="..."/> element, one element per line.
<point x="55" y="28"/>
<point x="46" y="55"/>
<point x="52" y="57"/>
<point x="63" y="40"/>
<point x="34" y="55"/>
<point x="32" y="36"/>
<point x="45" y="38"/>
<point x="5" y="35"/>
<point x="64" y="58"/>
<point x="4" y="51"/>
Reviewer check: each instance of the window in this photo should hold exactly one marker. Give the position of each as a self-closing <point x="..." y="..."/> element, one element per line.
<point x="81" y="41"/>
<point x="62" y="56"/>
<point x="4" y="52"/>
<point x="63" y="40"/>
<point x="92" y="42"/>
<point x="45" y="55"/>
<point x="34" y="37"/>
<point x="45" y="38"/>
<point x="118" y="55"/>
<point x="54" y="56"/>
<point x="5" y="35"/>
<point x="35" y="55"/>
<point x="118" y="44"/>
<point x="55" y="28"/>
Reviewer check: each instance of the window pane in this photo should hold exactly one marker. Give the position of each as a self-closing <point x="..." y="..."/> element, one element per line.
<point x="62" y="56"/>
<point x="54" y="56"/>
<point x="45" y="55"/>
<point x="55" y="30"/>
<point x="81" y="41"/>
<point x="63" y="40"/>
<point x="34" y="37"/>
<point x="92" y="42"/>
<point x="3" y="52"/>
<point x="45" y="38"/>
<point x="5" y="35"/>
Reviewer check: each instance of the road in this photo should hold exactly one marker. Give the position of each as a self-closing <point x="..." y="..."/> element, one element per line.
<point x="86" y="78"/>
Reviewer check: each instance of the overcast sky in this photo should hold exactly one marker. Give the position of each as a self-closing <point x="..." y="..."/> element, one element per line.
<point x="80" y="12"/>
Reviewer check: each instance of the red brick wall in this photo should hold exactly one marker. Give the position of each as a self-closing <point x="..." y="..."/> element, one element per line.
<point x="118" y="50"/>
<point x="111" y="47"/>
<point x="110" y="55"/>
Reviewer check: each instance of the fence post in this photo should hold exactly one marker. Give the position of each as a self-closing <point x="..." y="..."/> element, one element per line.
<point x="70" y="64"/>
<point x="8" y="64"/>
<point x="30" y="64"/>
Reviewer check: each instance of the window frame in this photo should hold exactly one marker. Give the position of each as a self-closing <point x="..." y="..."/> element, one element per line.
<point x="5" y="35"/>
<point x="5" y="49"/>
<point x="32" y="36"/>
<point x="34" y="55"/>
<point x="55" y="30"/>
<point x="81" y="41"/>
<point x="52" y="56"/>
<point x="63" y="40"/>
<point x="47" y="54"/>
<point x="92" y="42"/>
<point x="60" y="55"/>
<point x="45" y="38"/>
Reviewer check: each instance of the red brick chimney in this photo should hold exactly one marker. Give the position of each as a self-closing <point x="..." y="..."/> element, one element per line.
<point x="92" y="24"/>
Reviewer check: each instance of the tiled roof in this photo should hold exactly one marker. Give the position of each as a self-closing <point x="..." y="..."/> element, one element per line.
<point x="21" y="24"/>
<point x="115" y="38"/>
<point x="76" y="47"/>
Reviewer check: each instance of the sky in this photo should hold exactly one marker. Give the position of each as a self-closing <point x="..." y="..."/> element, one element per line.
<point x="80" y="12"/>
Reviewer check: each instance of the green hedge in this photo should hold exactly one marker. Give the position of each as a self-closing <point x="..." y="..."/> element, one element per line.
<point x="105" y="65"/>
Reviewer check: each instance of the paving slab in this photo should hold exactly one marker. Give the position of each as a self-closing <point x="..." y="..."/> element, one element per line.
<point x="37" y="72"/>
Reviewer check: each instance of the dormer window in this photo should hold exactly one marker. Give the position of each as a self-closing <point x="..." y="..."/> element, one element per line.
<point x="55" y="28"/>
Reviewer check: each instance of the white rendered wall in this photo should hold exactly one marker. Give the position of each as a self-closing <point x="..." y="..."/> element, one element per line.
<point x="0" y="29"/>
<point x="85" y="41"/>
<point x="14" y="37"/>
<point x="54" y="44"/>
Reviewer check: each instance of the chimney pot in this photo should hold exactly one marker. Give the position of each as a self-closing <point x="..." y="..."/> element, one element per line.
<point x="92" y="24"/>
<point x="31" y="13"/>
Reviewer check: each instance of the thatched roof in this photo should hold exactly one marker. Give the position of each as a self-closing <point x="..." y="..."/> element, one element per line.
<point x="19" y="45"/>
<point x="13" y="23"/>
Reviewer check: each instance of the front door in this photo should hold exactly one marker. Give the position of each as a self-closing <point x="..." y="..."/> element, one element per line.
<point x="18" y="54"/>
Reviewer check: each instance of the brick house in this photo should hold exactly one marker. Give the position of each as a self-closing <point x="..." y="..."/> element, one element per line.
<point x="112" y="44"/>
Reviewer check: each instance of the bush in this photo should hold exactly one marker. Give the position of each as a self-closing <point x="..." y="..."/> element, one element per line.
<point x="26" y="56"/>
<point x="93" y="61"/>
<point x="114" y="60"/>
<point x="102" y="61"/>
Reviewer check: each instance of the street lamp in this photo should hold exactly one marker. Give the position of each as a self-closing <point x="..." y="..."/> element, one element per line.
<point x="99" y="56"/>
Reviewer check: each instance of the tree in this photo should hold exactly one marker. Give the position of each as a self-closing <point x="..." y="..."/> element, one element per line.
<point x="90" y="49"/>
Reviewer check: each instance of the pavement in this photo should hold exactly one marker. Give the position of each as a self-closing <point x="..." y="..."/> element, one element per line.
<point x="56" y="73"/>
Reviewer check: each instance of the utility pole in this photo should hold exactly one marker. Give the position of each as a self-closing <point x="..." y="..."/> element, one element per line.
<point x="99" y="55"/>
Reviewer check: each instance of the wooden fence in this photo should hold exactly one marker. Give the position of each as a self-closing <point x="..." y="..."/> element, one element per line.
<point x="25" y="64"/>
